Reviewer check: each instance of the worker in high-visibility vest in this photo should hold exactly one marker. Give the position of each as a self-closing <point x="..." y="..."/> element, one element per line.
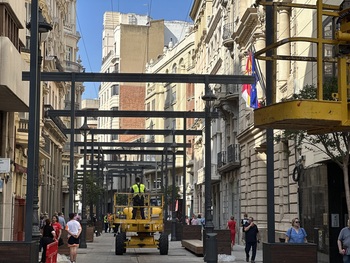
<point x="138" y="199"/>
<point x="105" y="221"/>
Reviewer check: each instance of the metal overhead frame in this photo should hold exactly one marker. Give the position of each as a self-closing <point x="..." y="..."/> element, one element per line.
<point x="74" y="77"/>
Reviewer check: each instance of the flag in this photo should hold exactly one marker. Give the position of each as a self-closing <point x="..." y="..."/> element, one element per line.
<point x="253" y="92"/>
<point x="246" y="88"/>
<point x="249" y="92"/>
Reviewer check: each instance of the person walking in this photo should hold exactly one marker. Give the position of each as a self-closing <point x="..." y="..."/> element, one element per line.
<point x="231" y="224"/>
<point x="106" y="222"/>
<point x="296" y="234"/>
<point x="47" y="238"/>
<point x="138" y="189"/>
<point x="57" y="227"/>
<point x="344" y="243"/>
<point x="244" y="223"/>
<point x="251" y="239"/>
<point x="73" y="228"/>
<point x="61" y="220"/>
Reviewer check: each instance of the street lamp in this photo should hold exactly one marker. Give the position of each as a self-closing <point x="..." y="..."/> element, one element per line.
<point x="210" y="240"/>
<point x="37" y="26"/>
<point x="84" y="130"/>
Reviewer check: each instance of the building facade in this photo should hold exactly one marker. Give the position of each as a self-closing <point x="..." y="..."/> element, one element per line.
<point x="14" y="129"/>
<point x="176" y="59"/>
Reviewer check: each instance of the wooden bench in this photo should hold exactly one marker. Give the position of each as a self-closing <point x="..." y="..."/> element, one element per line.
<point x="194" y="245"/>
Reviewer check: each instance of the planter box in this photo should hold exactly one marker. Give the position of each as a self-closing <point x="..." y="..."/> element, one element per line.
<point x="289" y="253"/>
<point x="223" y="240"/>
<point x="19" y="252"/>
<point x="191" y="232"/>
<point x="90" y="232"/>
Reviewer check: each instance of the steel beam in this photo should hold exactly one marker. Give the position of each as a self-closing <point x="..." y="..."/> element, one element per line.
<point x="133" y="152"/>
<point x="130" y="114"/>
<point x="139" y="77"/>
<point x="137" y="131"/>
<point x="133" y="144"/>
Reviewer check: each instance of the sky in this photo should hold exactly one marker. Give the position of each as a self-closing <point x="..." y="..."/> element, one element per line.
<point x="90" y="26"/>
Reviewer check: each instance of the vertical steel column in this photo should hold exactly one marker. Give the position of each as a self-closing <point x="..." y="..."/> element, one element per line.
<point x="82" y="243"/>
<point x="94" y="176"/>
<point x="32" y="220"/>
<point x="270" y="21"/>
<point x="209" y="226"/>
<point x="173" y="196"/>
<point x="72" y="139"/>
<point x="210" y="249"/>
<point x="184" y="175"/>
<point x="166" y="205"/>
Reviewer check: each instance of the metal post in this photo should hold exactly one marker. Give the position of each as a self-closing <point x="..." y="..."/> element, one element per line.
<point x="82" y="243"/>
<point x="209" y="226"/>
<point x="94" y="176"/>
<point x="184" y="177"/>
<point x="173" y="198"/>
<point x="269" y="132"/>
<point x="72" y="148"/>
<point x="32" y="226"/>
<point x="211" y="253"/>
<point x="166" y="210"/>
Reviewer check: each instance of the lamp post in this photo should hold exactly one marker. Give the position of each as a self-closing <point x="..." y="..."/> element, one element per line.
<point x="210" y="240"/>
<point x="37" y="26"/>
<point x="85" y="130"/>
<point x="173" y="198"/>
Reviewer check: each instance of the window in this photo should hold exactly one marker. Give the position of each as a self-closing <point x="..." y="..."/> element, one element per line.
<point x="173" y="98"/>
<point x="69" y="53"/>
<point x="174" y="69"/>
<point x="157" y="184"/>
<point x="132" y="20"/>
<point x="115" y="90"/>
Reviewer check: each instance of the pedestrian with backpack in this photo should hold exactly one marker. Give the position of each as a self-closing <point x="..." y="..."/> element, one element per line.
<point x="296" y="234"/>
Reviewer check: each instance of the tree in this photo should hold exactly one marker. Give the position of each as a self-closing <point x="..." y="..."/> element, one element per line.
<point x="93" y="190"/>
<point x="335" y="145"/>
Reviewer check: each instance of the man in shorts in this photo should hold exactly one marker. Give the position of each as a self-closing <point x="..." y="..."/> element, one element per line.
<point x="73" y="228"/>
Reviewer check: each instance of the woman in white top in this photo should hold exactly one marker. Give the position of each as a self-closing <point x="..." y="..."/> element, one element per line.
<point x="73" y="228"/>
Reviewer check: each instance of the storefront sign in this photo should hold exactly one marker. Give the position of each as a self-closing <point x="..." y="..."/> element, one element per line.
<point x="4" y="165"/>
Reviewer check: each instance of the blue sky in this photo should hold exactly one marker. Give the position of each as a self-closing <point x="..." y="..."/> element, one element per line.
<point x="90" y="19"/>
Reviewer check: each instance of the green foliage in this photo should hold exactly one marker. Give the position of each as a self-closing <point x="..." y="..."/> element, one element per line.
<point x="93" y="190"/>
<point x="169" y="193"/>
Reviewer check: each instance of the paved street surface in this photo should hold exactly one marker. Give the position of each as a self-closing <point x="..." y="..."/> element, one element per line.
<point x="102" y="251"/>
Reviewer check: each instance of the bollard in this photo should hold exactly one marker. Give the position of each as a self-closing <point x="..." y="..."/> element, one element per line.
<point x="211" y="248"/>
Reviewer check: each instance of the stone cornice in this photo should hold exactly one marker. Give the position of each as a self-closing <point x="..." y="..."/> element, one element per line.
<point x="247" y="27"/>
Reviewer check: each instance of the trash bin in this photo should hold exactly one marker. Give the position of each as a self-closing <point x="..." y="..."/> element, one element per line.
<point x="211" y="248"/>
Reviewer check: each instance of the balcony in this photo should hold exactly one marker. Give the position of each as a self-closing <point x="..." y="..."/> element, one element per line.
<point x="71" y="66"/>
<point x="22" y="133"/>
<point x="215" y="176"/>
<point x="14" y="92"/>
<point x="229" y="160"/>
<point x="228" y="99"/>
<point x="227" y="36"/>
